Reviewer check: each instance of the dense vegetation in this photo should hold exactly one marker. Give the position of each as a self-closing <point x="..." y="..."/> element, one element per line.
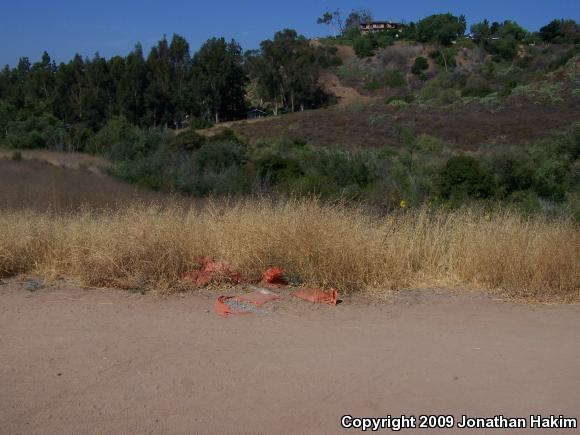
<point x="445" y="30"/>
<point x="127" y="107"/>
<point x="62" y="106"/>
<point x="425" y="170"/>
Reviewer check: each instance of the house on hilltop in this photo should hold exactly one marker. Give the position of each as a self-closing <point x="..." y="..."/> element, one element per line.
<point x="380" y="26"/>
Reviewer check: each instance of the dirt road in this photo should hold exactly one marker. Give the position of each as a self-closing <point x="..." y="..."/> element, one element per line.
<point x="92" y="361"/>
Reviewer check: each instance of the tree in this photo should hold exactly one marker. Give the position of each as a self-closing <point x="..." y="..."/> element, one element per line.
<point x="132" y="86"/>
<point x="97" y="93"/>
<point x="561" y="32"/>
<point x="358" y="17"/>
<point x="334" y="20"/>
<point x="287" y="70"/>
<point x="513" y="29"/>
<point x="219" y="79"/>
<point x="40" y="81"/>
<point x="159" y="92"/>
<point x="481" y="31"/>
<point x="441" y="28"/>
<point x="180" y="60"/>
<point x="501" y="39"/>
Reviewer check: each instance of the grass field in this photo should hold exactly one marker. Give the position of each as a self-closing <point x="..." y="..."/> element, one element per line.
<point x="149" y="247"/>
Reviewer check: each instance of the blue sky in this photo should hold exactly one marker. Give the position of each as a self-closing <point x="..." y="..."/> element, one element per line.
<point x="65" y="27"/>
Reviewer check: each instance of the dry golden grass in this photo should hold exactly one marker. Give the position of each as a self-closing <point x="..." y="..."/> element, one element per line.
<point x="318" y="244"/>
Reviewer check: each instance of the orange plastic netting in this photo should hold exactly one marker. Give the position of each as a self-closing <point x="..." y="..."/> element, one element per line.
<point x="317" y="295"/>
<point x="224" y="308"/>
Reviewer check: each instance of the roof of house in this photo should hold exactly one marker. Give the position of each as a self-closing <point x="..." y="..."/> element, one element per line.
<point x="381" y="22"/>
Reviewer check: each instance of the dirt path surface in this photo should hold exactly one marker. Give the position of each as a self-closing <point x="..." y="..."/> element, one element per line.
<point x="92" y="361"/>
<point x="346" y="95"/>
<point x="40" y="184"/>
<point x="61" y="159"/>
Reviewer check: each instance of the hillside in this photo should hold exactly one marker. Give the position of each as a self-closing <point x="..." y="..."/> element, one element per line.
<point x="51" y="181"/>
<point x="455" y="107"/>
<point x="428" y="116"/>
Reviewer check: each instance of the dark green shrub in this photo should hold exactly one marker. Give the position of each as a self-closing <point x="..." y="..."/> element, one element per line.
<point x="550" y="180"/>
<point x="351" y="33"/>
<point x="188" y="141"/>
<point x="512" y="173"/>
<point x="476" y="86"/>
<point x="342" y="167"/>
<point x="217" y="156"/>
<point x="120" y="140"/>
<point x="196" y="123"/>
<point x="364" y="46"/>
<point x="35" y="131"/>
<point x="372" y="86"/>
<point x="445" y="57"/>
<point x="226" y="135"/>
<point x="273" y="169"/>
<point x="394" y="78"/>
<point x="463" y="176"/>
<point x="383" y="40"/>
<point x="421" y="64"/>
<point x="505" y="48"/>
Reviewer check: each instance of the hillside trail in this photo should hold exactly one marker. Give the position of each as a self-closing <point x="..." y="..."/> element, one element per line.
<point x="346" y="95"/>
<point x="103" y="361"/>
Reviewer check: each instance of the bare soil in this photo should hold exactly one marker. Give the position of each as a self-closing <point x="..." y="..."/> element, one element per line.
<point x="100" y="361"/>
<point x="61" y="159"/>
<point x="52" y="181"/>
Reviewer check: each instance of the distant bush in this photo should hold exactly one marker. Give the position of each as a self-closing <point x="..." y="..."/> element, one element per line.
<point x="462" y="177"/>
<point x="197" y="123"/>
<point x="505" y="48"/>
<point x="527" y="176"/>
<point x="364" y="46"/>
<point x="391" y="78"/>
<point x="476" y="86"/>
<point x="372" y="86"/>
<point x="30" y="131"/>
<point x="445" y="57"/>
<point x="351" y="33"/>
<point x="421" y="64"/>
<point x="394" y="78"/>
<point x="409" y="98"/>
<point x="120" y="140"/>
<point x="188" y="141"/>
<point x="383" y="39"/>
